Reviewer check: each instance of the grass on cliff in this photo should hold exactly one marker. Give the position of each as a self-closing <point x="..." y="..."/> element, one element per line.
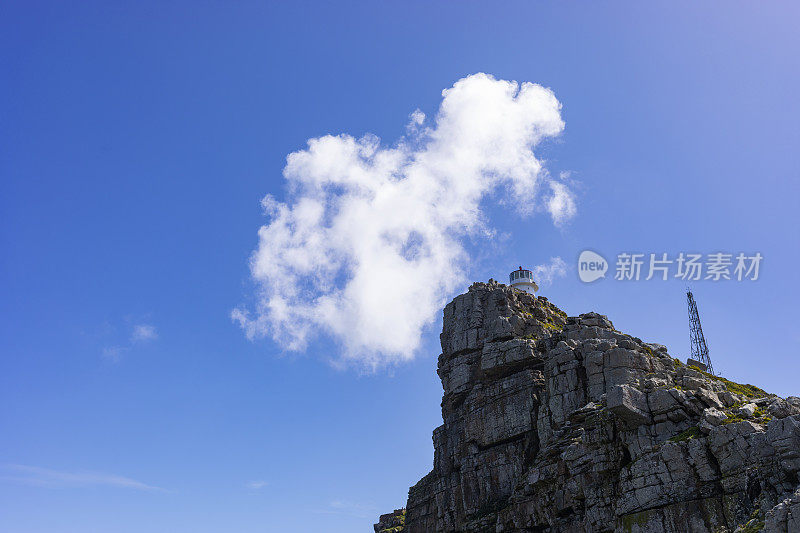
<point x="750" y="391"/>
<point x="399" y="528"/>
<point x="754" y="524"/>
<point x="691" y="433"/>
<point x="551" y="326"/>
<point x="760" y="416"/>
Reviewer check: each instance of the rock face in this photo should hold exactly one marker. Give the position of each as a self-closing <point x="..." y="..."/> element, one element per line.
<point x="391" y="522"/>
<point x="557" y="424"/>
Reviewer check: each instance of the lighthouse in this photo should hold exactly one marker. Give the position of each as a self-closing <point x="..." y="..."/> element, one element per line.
<point x="522" y="280"/>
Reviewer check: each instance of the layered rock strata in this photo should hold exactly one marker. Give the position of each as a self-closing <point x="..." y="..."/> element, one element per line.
<point x="564" y="424"/>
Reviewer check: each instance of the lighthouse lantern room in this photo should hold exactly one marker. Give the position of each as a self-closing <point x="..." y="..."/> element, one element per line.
<point x="522" y="280"/>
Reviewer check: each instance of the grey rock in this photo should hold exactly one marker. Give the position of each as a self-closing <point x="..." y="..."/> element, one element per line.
<point x="390" y="521"/>
<point x="563" y="424"/>
<point x="727" y="398"/>
<point x="747" y="410"/>
<point x="709" y="398"/>
<point x="714" y="416"/>
<point x="629" y="404"/>
<point x="785" y="516"/>
<point x="780" y="408"/>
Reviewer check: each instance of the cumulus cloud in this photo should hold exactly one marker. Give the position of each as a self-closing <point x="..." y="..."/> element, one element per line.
<point x="45" y="477"/>
<point x="256" y="484"/>
<point x="545" y="274"/>
<point x="369" y="245"/>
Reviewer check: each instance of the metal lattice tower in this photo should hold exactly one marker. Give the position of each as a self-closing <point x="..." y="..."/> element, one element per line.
<point x="696" y="337"/>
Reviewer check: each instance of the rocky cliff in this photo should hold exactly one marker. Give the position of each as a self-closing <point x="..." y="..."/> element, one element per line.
<point x="564" y="424"/>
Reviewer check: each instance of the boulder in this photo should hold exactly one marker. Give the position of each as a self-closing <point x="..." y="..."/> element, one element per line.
<point x="629" y="404"/>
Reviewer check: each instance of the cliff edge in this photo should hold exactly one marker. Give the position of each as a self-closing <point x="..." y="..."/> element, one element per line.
<point x="564" y="424"/>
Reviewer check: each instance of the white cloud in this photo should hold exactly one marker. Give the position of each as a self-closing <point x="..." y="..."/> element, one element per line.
<point x="368" y="246"/>
<point x="143" y="332"/>
<point x="561" y="203"/>
<point x="114" y="353"/>
<point x="45" y="477"/>
<point x="545" y="274"/>
<point x="257" y="484"/>
<point x="417" y="119"/>
<point x="140" y="333"/>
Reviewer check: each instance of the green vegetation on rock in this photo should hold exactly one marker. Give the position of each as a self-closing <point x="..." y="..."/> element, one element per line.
<point x="639" y="519"/>
<point x="751" y="391"/>
<point x="399" y="521"/>
<point x="691" y="433"/>
<point x="752" y="526"/>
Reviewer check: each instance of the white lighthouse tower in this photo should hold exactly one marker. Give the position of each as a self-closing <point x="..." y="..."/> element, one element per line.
<point x="522" y="280"/>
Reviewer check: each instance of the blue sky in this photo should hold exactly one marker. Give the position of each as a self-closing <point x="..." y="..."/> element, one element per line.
<point x="138" y="141"/>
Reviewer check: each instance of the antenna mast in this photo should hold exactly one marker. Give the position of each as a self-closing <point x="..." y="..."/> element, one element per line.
<point x="696" y="337"/>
